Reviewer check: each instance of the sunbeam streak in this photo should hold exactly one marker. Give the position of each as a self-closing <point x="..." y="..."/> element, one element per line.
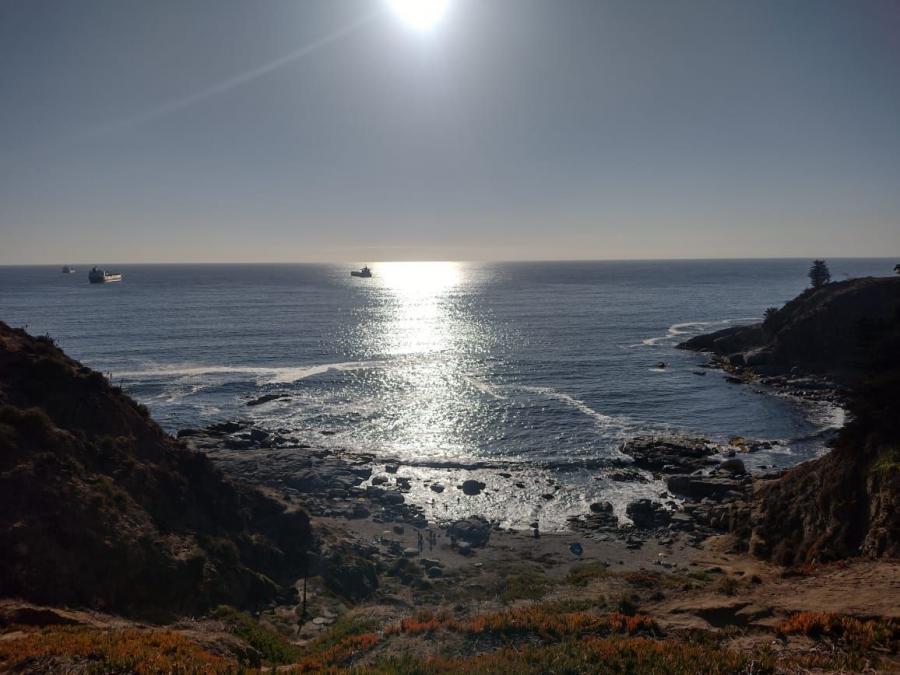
<point x="177" y="104"/>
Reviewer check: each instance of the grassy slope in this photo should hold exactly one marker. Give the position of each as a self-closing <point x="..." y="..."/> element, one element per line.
<point x="531" y="639"/>
<point x="573" y="626"/>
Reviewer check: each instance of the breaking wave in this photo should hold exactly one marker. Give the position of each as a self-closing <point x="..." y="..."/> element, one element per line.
<point x="262" y="374"/>
<point x="688" y="328"/>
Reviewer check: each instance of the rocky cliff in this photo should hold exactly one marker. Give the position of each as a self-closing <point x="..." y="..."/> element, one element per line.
<point x="823" y="331"/>
<point x="100" y="508"/>
<point x="846" y="503"/>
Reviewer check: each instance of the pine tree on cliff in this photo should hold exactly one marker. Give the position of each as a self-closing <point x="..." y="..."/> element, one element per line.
<point x="770" y="320"/>
<point x="819" y="274"/>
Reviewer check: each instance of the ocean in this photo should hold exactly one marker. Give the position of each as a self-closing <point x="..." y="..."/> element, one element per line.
<point x="542" y="366"/>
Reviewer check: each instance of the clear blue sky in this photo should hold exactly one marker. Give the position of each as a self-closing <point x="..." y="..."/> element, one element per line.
<point x="227" y="130"/>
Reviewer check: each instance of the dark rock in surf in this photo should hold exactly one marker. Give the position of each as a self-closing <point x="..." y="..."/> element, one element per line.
<point x="627" y="475"/>
<point x="266" y="399"/>
<point x="238" y="443"/>
<point x="258" y="435"/>
<point x="699" y="487"/>
<point x="670" y="454"/>
<point x="733" y="466"/>
<point x="472" y="487"/>
<point x="392" y="498"/>
<point x="226" y="427"/>
<point x="601" y="507"/>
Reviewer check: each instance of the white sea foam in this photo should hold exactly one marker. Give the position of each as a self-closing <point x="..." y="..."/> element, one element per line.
<point x="176" y="396"/>
<point x="272" y="375"/>
<point x="676" y="330"/>
<point x="828" y="415"/>
<point x="602" y="419"/>
<point x="484" y="387"/>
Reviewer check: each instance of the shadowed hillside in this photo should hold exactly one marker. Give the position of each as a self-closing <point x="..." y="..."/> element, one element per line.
<point x="848" y="502"/>
<point x="100" y="508"/>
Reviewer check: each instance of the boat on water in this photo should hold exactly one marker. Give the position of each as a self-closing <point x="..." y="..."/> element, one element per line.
<point x="97" y="276"/>
<point x="364" y="272"/>
<point x="68" y="270"/>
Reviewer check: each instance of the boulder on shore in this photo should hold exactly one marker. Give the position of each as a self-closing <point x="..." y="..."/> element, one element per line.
<point x="475" y="530"/>
<point x="647" y="514"/>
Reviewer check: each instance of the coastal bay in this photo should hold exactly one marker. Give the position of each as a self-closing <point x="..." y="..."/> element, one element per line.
<point x="370" y="552"/>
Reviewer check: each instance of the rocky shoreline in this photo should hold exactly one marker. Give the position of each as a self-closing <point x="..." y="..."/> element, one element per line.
<point x="704" y="483"/>
<point x="691" y="488"/>
<point x="793" y="382"/>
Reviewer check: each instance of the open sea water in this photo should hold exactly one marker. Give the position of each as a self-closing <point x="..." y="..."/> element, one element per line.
<point x="548" y="365"/>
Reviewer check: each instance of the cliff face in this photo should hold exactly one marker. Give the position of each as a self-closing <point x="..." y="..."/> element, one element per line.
<point x="100" y="508"/>
<point x="824" y="331"/>
<point x="842" y="505"/>
<point x="848" y="502"/>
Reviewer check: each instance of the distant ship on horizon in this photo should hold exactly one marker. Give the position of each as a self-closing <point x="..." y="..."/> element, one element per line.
<point x="68" y="270"/>
<point x="98" y="276"/>
<point x="364" y="272"/>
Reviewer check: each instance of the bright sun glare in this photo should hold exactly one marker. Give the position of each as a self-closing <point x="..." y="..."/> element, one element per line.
<point x="419" y="14"/>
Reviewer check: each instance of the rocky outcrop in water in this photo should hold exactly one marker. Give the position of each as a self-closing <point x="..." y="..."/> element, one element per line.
<point x="824" y="331"/>
<point x="100" y="508"/>
<point x="670" y="454"/>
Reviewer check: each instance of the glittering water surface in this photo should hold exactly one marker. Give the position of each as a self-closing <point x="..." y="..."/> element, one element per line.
<point x="527" y="364"/>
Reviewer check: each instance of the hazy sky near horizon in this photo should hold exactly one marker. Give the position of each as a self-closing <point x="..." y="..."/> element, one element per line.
<point x="305" y="130"/>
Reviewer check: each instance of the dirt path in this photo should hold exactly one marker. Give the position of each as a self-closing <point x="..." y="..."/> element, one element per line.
<point x="763" y="595"/>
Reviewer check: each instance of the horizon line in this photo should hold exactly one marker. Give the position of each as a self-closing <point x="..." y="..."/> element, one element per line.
<point x="438" y="260"/>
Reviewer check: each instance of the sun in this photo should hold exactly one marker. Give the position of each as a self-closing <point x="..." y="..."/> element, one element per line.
<point x="419" y="14"/>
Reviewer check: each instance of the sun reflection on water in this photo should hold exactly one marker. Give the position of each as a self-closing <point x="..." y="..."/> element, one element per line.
<point x="422" y="327"/>
<point x="418" y="304"/>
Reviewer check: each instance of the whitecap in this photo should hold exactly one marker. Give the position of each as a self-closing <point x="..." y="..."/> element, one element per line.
<point x="602" y="419"/>
<point x="270" y="375"/>
<point x="676" y="330"/>
<point x="484" y="387"/>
